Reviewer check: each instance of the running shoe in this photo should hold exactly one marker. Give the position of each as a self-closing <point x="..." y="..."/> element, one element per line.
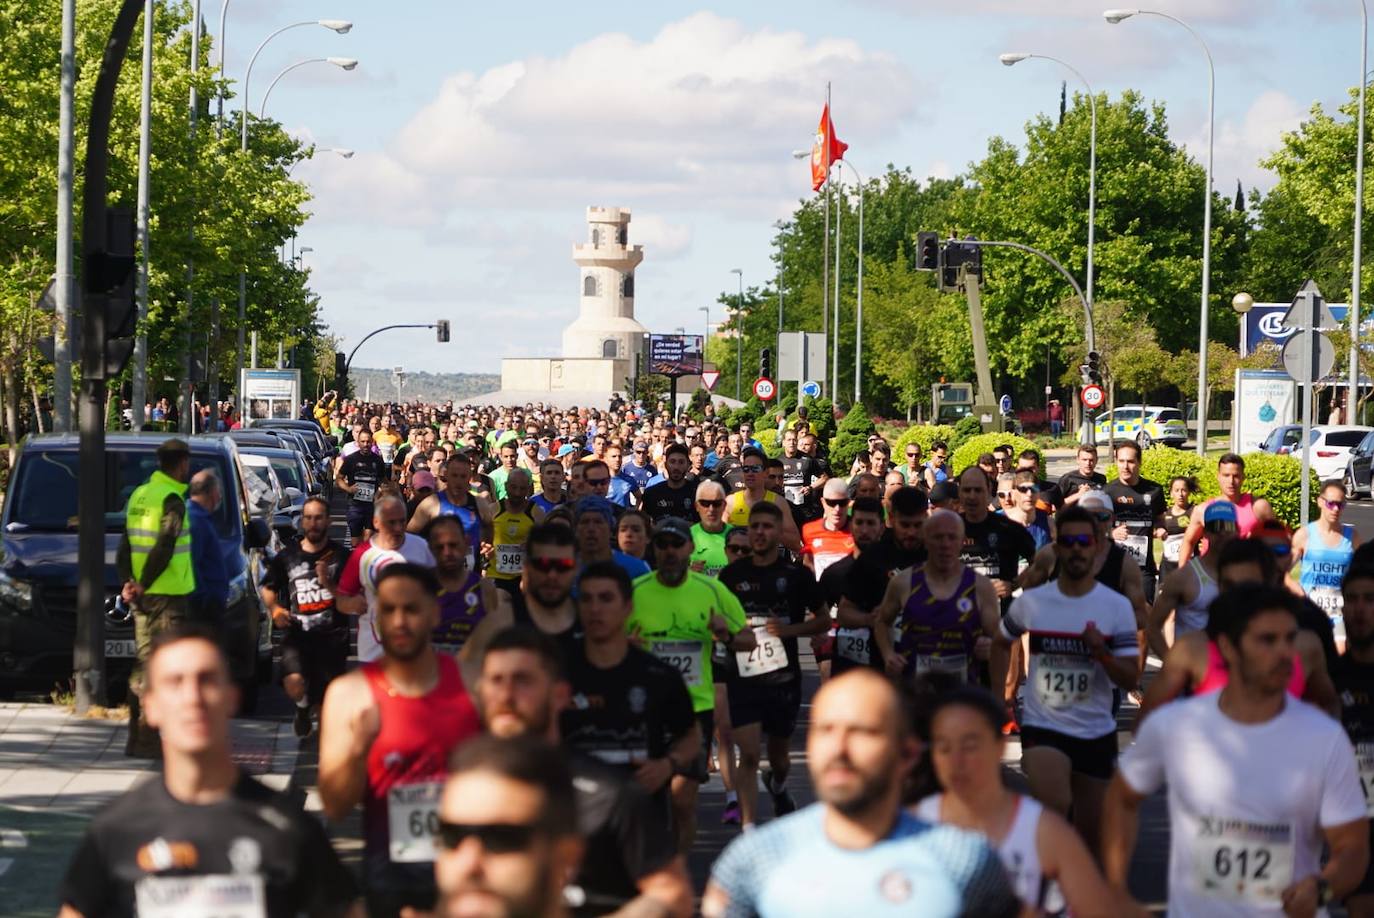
<point x="782" y="799"/>
<point x="730" y="815"/>
<point x="302" y="724"/>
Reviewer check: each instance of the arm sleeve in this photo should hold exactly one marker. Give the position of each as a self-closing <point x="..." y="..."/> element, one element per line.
<point x="1142" y="764"/>
<point x="350" y="581"/>
<point x="1342" y="795"/>
<point x="85" y="887"/>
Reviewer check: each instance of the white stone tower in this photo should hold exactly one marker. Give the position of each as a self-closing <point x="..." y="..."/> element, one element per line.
<point x="605" y="327"/>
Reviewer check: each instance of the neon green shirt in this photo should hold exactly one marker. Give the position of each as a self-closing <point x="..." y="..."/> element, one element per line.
<point x="675" y="625"/>
<point x="709" y="549"/>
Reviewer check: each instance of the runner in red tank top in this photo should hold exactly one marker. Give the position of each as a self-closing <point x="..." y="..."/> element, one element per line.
<point x="386" y="732"/>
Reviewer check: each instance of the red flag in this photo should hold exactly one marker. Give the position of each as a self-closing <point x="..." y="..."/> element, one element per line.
<point x="820" y="162"/>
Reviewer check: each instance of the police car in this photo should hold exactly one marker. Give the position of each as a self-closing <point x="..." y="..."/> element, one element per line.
<point x="1145" y="424"/>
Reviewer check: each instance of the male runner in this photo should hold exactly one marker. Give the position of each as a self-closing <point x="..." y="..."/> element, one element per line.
<point x="299" y="591"/>
<point x="357" y="588"/>
<point x="828" y="539"/>
<point x="994" y="546"/>
<point x="359" y="474"/>
<point x="781" y="603"/>
<point x="852" y="645"/>
<point x="1256" y="783"/>
<point x="551" y="478"/>
<point x="596" y="524"/>
<point x="940" y="616"/>
<point x="510" y="528"/>
<point x="631" y="861"/>
<point x="708" y="534"/>
<point x="386" y="733"/>
<point x="857" y="851"/>
<point x="1082" y="643"/>
<point x="754" y="490"/>
<point x="465" y="598"/>
<point x="1139" y="506"/>
<point x="457" y="499"/>
<point x="1250" y="510"/>
<point x="202" y="838"/>
<point x="545" y="597"/>
<point x="674" y="495"/>
<point x="678" y="614"/>
<point x="507" y="456"/>
<point x="1073" y="485"/>
<point x="1354" y="680"/>
<point x="799" y="471"/>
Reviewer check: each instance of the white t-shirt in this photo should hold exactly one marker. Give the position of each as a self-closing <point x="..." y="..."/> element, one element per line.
<point x="1247" y="802"/>
<point x="415" y="550"/>
<point x="1068" y="691"/>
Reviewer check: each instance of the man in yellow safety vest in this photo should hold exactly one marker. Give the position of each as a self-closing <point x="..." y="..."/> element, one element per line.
<point x="154" y="562"/>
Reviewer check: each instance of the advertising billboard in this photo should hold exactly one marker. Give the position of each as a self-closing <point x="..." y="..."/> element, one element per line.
<point x="675" y="355"/>
<point x="269" y="394"/>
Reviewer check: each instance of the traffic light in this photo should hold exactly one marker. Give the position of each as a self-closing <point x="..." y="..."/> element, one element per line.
<point x="766" y="363"/>
<point x="340" y="371"/>
<point x="441" y="331"/>
<point x="111" y="273"/>
<point x="927" y="251"/>
<point x="1092" y="370"/>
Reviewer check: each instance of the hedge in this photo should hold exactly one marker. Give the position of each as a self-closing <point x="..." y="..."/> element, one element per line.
<point x="925" y="435"/>
<point x="1277" y="479"/>
<point x="974" y="447"/>
<point x="965" y="429"/>
<point x="768" y="439"/>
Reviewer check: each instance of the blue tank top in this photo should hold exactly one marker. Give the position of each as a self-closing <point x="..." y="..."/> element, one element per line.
<point x="1323" y="568"/>
<point x="471" y="519"/>
<point x="543" y="503"/>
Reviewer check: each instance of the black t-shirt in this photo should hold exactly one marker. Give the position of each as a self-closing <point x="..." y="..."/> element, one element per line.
<point x="367" y="470"/>
<point x="663" y="500"/>
<point x="995" y="547"/>
<point x="627" y="714"/>
<point x="291" y="574"/>
<point x="783" y="590"/>
<point x="1137" y="507"/>
<point x="868" y="577"/>
<point x="1355" y="687"/>
<point x="801" y="471"/>
<point x="1070" y="481"/>
<point x="147" y="842"/>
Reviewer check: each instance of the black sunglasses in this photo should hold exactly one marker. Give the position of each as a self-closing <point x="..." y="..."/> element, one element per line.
<point x="711" y="503"/>
<point x="495" y="838"/>
<point x="752" y="469"/>
<point x="736" y="549"/>
<point x="837" y="502"/>
<point x="1078" y="540"/>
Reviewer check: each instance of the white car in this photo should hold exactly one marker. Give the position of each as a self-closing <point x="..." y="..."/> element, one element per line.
<point x="1329" y="449"/>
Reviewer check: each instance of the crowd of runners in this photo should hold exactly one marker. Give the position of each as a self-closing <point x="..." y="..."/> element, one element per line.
<point x="568" y="621"/>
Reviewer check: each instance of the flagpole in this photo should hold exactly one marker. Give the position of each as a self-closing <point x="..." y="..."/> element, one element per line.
<point x="825" y="241"/>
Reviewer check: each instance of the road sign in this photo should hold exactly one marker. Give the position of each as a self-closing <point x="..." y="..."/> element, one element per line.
<point x="1092" y="397"/>
<point x="1299" y="312"/>
<point x="1005" y="404"/>
<point x="708" y="379"/>
<point x="764" y="389"/>
<point x="811" y="389"/>
<point x="800" y="355"/>
<point x="1292" y="358"/>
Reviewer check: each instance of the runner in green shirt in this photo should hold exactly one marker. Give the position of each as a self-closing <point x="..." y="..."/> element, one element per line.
<point x="678" y="615"/>
<point x="708" y="536"/>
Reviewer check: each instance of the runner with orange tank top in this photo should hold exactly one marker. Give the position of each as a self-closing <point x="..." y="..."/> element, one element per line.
<point x="386" y="733"/>
<point x="1250" y="510"/>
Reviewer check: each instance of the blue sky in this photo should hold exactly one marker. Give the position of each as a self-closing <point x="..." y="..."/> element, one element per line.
<point x="483" y="131"/>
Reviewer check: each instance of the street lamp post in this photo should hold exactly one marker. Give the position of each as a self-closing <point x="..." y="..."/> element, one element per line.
<point x="780" y="226"/>
<point x="707" y="336"/>
<point x="342" y="26"/>
<point x="1114" y="17"/>
<point x="1011" y="59"/>
<point x="343" y="63"/>
<point x="1355" y="279"/>
<point x="739" y="333"/>
<point x="859" y="297"/>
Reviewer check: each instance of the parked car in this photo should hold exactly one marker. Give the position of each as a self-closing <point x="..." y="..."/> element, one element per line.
<point x="1358" y="469"/>
<point x="293" y="481"/>
<point x="38" y="560"/>
<point x="322" y="450"/>
<point x="1282" y="439"/>
<point x="1329" y="449"/>
<point x="1145" y="424"/>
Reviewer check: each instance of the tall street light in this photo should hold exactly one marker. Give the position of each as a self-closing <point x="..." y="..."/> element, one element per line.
<point x="1355" y="279"/>
<point x="343" y="63"/>
<point x="859" y="298"/>
<point x="1013" y="58"/>
<point x="707" y="337"/>
<point x="342" y="26"/>
<point x="781" y="227"/>
<point x="739" y="332"/>
<point x="1114" y="17"/>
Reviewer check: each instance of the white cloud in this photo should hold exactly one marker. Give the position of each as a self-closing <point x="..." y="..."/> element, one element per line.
<point x="1222" y="11"/>
<point x="662" y="240"/>
<point x="702" y="115"/>
<point x="1241" y="144"/>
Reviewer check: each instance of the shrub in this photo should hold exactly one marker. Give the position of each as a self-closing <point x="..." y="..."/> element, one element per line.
<point x="924" y="434"/>
<point x="768" y="439"/>
<point x="857" y="421"/>
<point x="821" y="416"/>
<point x="967" y="454"/>
<point x="843" y="448"/>
<point x="1161" y="464"/>
<point x="966" y="429"/>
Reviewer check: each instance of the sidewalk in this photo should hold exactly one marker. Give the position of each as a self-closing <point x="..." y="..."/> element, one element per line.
<point x="57" y="770"/>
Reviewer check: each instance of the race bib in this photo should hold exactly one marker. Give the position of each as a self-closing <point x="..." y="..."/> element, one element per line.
<point x="1172" y="546"/>
<point x="853" y="644"/>
<point x="365" y="491"/>
<point x="1364" y="759"/>
<point x="388" y="451"/>
<point x="1062" y="681"/>
<point x="510" y="559"/>
<point x="213" y="896"/>
<point x="412" y="818"/>
<point x="793" y="493"/>
<point x="1137" y="546"/>
<point x="683" y="656"/>
<point x="318" y="620"/>
<point x="1328" y="599"/>
<point x="953" y="664"/>
<point x="1241" y="861"/>
<point x="768" y="656"/>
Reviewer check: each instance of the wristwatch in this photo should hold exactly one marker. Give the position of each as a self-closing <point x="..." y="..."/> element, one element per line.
<point x="1323" y="891"/>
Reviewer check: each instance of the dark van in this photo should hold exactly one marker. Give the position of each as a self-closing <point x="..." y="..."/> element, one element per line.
<point x="38" y="563"/>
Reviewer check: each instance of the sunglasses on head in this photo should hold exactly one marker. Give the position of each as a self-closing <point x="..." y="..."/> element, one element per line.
<point x="495" y="838"/>
<point x="1282" y="549"/>
<point x="1102" y="516"/>
<point x="1076" y="540"/>
<point x="711" y="503"/>
<point x="546" y="565"/>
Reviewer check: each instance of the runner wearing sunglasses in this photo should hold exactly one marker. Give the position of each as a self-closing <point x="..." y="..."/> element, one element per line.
<point x="708" y="533"/>
<point x="544" y="599"/>
<point x="752" y="467"/>
<point x="1321" y="555"/>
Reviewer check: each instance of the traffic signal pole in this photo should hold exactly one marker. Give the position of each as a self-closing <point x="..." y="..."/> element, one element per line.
<point x="88" y="653"/>
<point x="339" y="383"/>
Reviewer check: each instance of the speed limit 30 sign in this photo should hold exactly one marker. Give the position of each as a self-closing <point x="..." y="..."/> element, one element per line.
<point x="764" y="388"/>
<point x="1092" y="396"/>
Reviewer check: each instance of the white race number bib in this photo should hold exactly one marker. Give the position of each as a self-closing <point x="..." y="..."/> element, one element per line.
<point x="1172" y="546"/>
<point x="510" y="559"/>
<point x="1243" y="861"/>
<point x="853" y="644"/>
<point x="212" y="896"/>
<point x="954" y="664"/>
<point x="412" y="817"/>
<point x="364" y="492"/>
<point x="768" y="656"/>
<point x="1137" y="546"/>
<point x="1062" y="681"/>
<point x="1364" y="759"/>
<point x="683" y="656"/>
